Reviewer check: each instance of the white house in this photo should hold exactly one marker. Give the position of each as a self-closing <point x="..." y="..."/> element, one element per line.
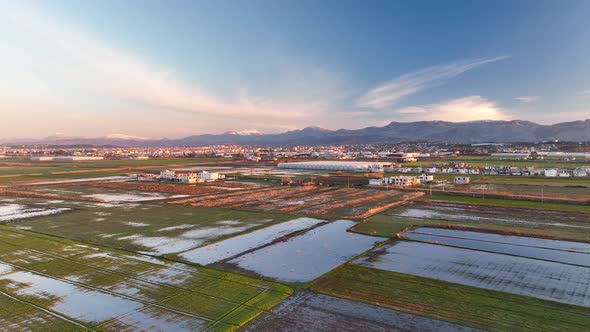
<point x="551" y="172"/>
<point x="189" y="178"/>
<point x="213" y="176"/>
<point x="426" y="178"/>
<point x="376" y="182"/>
<point x="462" y="180"/>
<point x="168" y="175"/>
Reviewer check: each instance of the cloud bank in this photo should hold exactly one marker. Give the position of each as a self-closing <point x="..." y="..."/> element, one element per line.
<point x="469" y="108"/>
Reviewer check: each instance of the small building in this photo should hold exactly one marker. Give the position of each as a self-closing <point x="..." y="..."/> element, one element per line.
<point x="426" y="178"/>
<point x="550" y="172"/>
<point x="168" y="175"/>
<point x="403" y="181"/>
<point x="461" y="180"/>
<point x="189" y="178"/>
<point x="210" y="176"/>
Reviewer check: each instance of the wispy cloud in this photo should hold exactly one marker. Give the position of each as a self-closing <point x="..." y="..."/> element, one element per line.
<point x="302" y="91"/>
<point x="469" y="108"/>
<point x="584" y="93"/>
<point x="527" y="99"/>
<point x="390" y="92"/>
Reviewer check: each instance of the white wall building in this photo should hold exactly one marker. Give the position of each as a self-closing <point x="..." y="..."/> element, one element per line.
<point x="462" y="180"/>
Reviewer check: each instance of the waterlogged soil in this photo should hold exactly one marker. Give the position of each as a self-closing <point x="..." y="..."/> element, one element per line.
<point x="309" y="255"/>
<point x="234" y="246"/>
<point x="74" y="301"/>
<point x="308" y="311"/>
<point x="519" y="275"/>
<point x="156" y="319"/>
<point x="160" y="245"/>
<point x="15" y="212"/>
<point x="493" y="214"/>
<point x="568" y="252"/>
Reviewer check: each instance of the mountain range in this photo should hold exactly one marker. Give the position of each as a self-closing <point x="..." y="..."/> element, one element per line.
<point x="439" y="131"/>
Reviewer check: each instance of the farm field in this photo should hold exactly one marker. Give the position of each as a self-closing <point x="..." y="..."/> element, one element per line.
<point x="512" y="203"/>
<point x="327" y="202"/>
<point x="72" y="285"/>
<point x="466" y="216"/>
<point x="549" y="280"/>
<point x="465" y="305"/>
<point x="151" y="228"/>
<point x="308" y="311"/>
<point x="212" y="256"/>
<point x="304" y="257"/>
<point x="574" y="253"/>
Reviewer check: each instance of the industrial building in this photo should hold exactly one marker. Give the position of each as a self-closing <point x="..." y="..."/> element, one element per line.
<point x="349" y="166"/>
<point x="66" y="158"/>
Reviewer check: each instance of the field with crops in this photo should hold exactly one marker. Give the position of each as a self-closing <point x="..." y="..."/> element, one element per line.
<point x="80" y="251"/>
<point x="71" y="285"/>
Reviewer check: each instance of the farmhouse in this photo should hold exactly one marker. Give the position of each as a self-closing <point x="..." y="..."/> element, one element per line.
<point x="400" y="181"/>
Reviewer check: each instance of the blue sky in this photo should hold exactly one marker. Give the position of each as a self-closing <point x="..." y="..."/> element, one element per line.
<point x="175" y="68"/>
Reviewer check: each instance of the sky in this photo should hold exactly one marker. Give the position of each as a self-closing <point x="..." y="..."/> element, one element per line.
<point x="152" y="69"/>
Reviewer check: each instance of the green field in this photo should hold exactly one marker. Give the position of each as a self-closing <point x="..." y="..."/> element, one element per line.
<point x="221" y="300"/>
<point x="149" y="227"/>
<point x="470" y="306"/>
<point x="510" y="203"/>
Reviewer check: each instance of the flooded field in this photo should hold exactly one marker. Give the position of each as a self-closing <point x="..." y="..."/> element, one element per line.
<point x="73" y="301"/>
<point x="150" y="228"/>
<point x="87" y="285"/>
<point x="307" y="256"/>
<point x="307" y="311"/>
<point x="501" y="216"/>
<point x="568" y="252"/>
<point x="537" y="278"/>
<point x="231" y="247"/>
<point x="14" y="212"/>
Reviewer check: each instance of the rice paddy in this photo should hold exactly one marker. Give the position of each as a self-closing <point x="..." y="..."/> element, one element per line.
<point x="109" y="254"/>
<point x="97" y="288"/>
<point x="307" y="256"/>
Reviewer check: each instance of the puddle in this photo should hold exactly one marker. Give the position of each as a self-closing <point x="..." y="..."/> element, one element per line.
<point x="309" y="255"/>
<point x="136" y="224"/>
<point x="12" y="212"/>
<point x="231" y="247"/>
<point x="128" y="197"/>
<point x="160" y="245"/>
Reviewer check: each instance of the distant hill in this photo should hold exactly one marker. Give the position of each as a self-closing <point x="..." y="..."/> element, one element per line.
<point x="441" y="131"/>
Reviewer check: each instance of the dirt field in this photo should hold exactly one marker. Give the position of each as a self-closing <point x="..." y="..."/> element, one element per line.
<point x="317" y="201"/>
<point x="308" y="311"/>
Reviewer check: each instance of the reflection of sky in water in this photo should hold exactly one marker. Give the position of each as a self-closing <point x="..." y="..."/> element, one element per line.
<point x="542" y="279"/>
<point x="461" y="215"/>
<point x="74" y="301"/>
<point x="9" y="212"/>
<point x="156" y="319"/>
<point x="308" y="256"/>
<point x="236" y="245"/>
